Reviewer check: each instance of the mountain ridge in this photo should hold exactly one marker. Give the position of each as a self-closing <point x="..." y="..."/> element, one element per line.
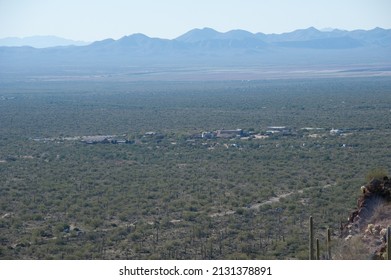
<point x="200" y="34"/>
<point x="207" y="48"/>
<point x="40" y="41"/>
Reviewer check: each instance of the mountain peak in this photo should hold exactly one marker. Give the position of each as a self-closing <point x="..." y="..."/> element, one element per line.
<point x="196" y="35"/>
<point x="311" y="28"/>
<point x="137" y="37"/>
<point x="239" y="34"/>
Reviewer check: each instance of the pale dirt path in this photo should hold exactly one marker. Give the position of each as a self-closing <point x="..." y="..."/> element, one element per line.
<point x="269" y="201"/>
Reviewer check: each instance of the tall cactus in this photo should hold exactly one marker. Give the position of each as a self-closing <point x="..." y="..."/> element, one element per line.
<point x="389" y="243"/>
<point x="317" y="249"/>
<point x="328" y="243"/>
<point x="311" y="237"/>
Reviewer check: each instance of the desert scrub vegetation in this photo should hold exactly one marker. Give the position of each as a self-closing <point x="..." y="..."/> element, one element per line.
<point x="167" y="194"/>
<point x="352" y="249"/>
<point x="376" y="173"/>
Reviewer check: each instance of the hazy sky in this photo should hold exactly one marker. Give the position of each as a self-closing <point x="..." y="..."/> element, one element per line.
<point x="91" y="20"/>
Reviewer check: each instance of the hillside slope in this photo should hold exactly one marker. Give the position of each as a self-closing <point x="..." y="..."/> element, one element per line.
<point x="365" y="232"/>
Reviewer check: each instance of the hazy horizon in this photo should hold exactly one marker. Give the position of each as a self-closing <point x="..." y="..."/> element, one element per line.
<point x="98" y="20"/>
<point x="325" y="29"/>
<point x="47" y="41"/>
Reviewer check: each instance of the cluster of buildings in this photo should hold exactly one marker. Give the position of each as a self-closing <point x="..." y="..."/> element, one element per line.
<point x="104" y="139"/>
<point x="240" y="133"/>
<point x="221" y="133"/>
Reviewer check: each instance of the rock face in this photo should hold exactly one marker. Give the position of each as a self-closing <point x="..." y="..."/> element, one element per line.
<point x="372" y="217"/>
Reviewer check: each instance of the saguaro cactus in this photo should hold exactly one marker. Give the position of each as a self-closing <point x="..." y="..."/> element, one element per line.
<point x="311" y="237"/>
<point x="389" y="243"/>
<point x="317" y="249"/>
<point x="328" y="243"/>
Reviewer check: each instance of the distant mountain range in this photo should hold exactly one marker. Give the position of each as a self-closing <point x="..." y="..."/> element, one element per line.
<point x="299" y="38"/>
<point x="40" y="42"/>
<point x="207" y="48"/>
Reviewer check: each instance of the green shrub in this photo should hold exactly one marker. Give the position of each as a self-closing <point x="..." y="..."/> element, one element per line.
<point x="376" y="173"/>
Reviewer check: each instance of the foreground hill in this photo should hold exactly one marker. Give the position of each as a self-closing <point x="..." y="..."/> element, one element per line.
<point x="365" y="232"/>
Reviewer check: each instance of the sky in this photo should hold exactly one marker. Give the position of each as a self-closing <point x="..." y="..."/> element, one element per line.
<point x="92" y="20"/>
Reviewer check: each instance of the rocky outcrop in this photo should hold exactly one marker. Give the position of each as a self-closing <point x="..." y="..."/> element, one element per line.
<point x="372" y="217"/>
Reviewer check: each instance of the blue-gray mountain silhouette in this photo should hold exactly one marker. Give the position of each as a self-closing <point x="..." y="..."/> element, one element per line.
<point x="209" y="48"/>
